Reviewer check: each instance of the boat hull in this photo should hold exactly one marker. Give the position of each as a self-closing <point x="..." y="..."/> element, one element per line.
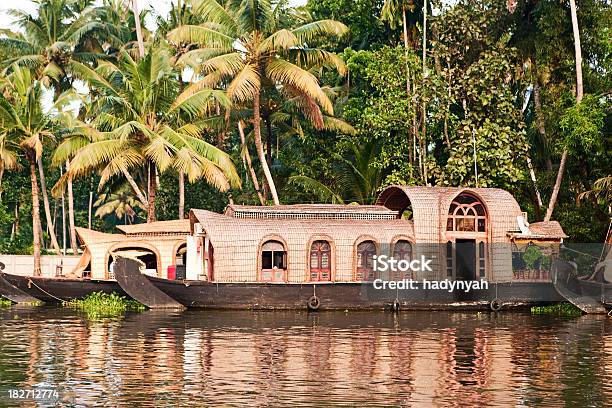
<point x="350" y="296"/>
<point x="56" y="290"/>
<point x="589" y="296"/>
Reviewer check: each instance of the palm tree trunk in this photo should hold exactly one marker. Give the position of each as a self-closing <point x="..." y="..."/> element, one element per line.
<point x="260" y="150"/>
<point x="181" y="209"/>
<point x="134" y="186"/>
<point x="424" y="141"/>
<point x="141" y="49"/>
<point x="151" y="217"/>
<point x="73" y="241"/>
<point x="534" y="182"/>
<point x="1" y="175"/>
<point x="90" y="204"/>
<point x="408" y="93"/>
<point x="35" y="213"/>
<point x="247" y="158"/>
<point x="268" y="141"/>
<point x="50" y="227"/>
<point x="579" y="94"/>
<point x="537" y="101"/>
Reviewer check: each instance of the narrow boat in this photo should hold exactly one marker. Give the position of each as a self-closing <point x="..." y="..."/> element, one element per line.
<point x="13" y="293"/>
<point x="320" y="256"/>
<point x="94" y="270"/>
<point x="58" y="289"/>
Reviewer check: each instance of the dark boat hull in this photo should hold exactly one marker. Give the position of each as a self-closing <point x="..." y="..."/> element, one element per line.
<point x="350" y="296"/>
<point x="590" y="297"/>
<point x="13" y="293"/>
<point x="56" y="290"/>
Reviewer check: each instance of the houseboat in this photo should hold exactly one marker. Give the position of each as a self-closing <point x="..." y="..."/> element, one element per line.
<point x="159" y="246"/>
<point x="318" y="256"/>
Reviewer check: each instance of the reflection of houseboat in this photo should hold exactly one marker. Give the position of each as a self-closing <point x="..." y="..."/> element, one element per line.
<point x="160" y="246"/>
<point x="294" y="256"/>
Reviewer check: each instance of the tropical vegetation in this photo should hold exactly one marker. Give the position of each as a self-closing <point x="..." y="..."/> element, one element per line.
<point x="112" y="114"/>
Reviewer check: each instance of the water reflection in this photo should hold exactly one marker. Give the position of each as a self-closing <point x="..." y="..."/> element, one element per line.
<point x="299" y="359"/>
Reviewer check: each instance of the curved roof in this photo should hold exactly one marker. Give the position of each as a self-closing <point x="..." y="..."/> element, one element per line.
<point x="430" y="207"/>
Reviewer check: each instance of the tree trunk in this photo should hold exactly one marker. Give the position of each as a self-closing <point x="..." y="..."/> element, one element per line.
<point x="579" y="94"/>
<point x="135" y="188"/>
<point x="16" y="223"/>
<point x="424" y="139"/>
<point x="151" y="217"/>
<point x="268" y="141"/>
<point x="537" y="101"/>
<point x="50" y="226"/>
<point x="90" y="205"/>
<point x="35" y="213"/>
<point x="73" y="240"/>
<point x="534" y="182"/>
<point x="408" y="92"/>
<point x="1" y="175"/>
<point x="63" y="218"/>
<point x="260" y="150"/>
<point x="181" y="209"/>
<point x="141" y="49"/>
<point x="247" y="157"/>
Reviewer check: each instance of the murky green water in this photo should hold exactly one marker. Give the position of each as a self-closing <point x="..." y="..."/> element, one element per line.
<point x="298" y="359"/>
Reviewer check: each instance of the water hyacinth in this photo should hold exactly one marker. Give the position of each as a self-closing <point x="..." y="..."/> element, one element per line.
<point x="5" y="302"/>
<point x="558" y="309"/>
<point x="100" y="304"/>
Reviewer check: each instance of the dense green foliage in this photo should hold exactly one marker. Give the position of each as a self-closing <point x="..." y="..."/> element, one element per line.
<point x="352" y="109"/>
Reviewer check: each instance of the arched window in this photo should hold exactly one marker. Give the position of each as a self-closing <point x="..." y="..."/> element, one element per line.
<point x="466" y="214"/>
<point x="365" y="263"/>
<point x="320" y="261"/>
<point x="402" y="250"/>
<point x="273" y="261"/>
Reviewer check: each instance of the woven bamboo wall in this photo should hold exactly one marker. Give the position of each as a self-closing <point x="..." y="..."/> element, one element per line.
<point x="236" y="243"/>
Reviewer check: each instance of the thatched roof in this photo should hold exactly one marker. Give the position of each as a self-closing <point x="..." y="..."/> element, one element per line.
<point x="156" y="228"/>
<point x="542" y="230"/>
<point x="430" y="206"/>
<point x="311" y="211"/>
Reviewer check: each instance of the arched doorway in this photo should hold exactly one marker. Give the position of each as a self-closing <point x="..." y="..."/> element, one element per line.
<point x="466" y="238"/>
<point x="147" y="256"/>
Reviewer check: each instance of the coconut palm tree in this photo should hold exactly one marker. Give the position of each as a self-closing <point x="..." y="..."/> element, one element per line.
<point x="122" y="203"/>
<point x="25" y="127"/>
<point x="142" y="121"/>
<point x="243" y="45"/>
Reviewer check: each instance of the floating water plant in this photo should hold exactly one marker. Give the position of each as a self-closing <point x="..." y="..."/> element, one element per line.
<point x="104" y="304"/>
<point x="5" y="302"/>
<point x="558" y="309"/>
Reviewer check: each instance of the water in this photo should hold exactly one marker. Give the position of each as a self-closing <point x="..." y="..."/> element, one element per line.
<point x="200" y="358"/>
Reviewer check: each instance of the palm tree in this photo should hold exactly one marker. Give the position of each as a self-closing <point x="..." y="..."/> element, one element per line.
<point x="242" y="44"/>
<point x="356" y="175"/>
<point x="24" y="127"/>
<point x="60" y="32"/>
<point x="579" y="94"/>
<point x="143" y="122"/>
<point x="122" y="203"/>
